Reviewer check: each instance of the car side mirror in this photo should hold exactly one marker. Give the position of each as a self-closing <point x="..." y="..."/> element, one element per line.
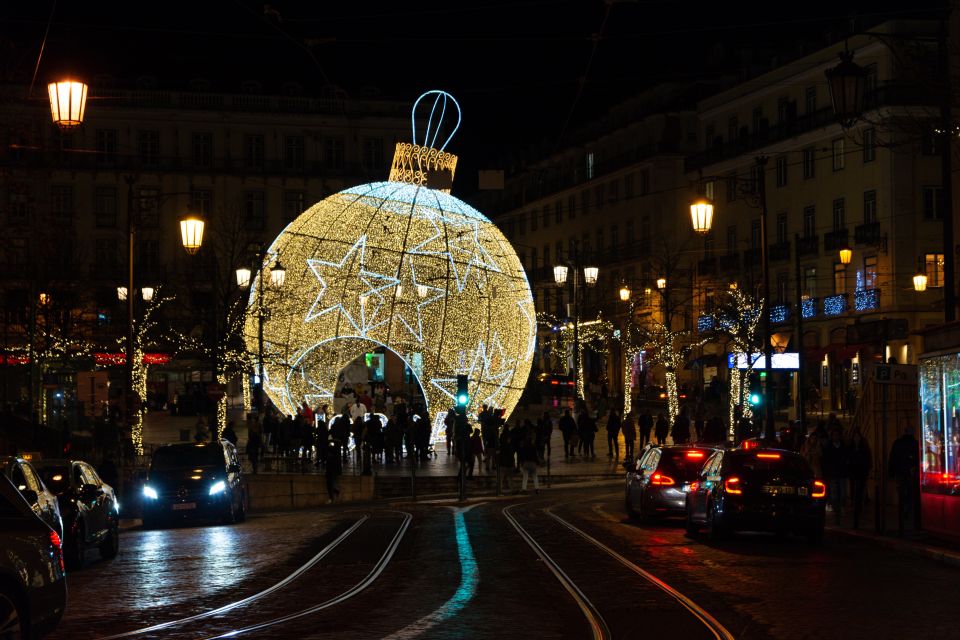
<point x="30" y="496"/>
<point x="234" y="468"/>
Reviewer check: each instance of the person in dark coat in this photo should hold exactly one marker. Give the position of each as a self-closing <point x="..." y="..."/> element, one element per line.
<point x="836" y="470"/>
<point x="904" y="468"/>
<point x="254" y="445"/>
<point x="681" y="428"/>
<point x="661" y="429"/>
<point x="860" y="461"/>
<point x="629" y="435"/>
<point x="645" y="426"/>
<point x="506" y="460"/>
<point x="613" y="435"/>
<point x="587" y="429"/>
<point x="333" y="469"/>
<point x="568" y="427"/>
<point x="230" y="434"/>
<point x="544" y="433"/>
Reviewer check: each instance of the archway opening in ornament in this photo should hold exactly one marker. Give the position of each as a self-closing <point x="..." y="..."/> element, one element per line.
<point x="337" y="370"/>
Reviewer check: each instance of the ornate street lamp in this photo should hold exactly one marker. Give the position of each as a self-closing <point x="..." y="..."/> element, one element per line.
<point x="701" y="215"/>
<point x="846" y="254"/>
<point x="147" y="293"/>
<point x="560" y="274"/>
<point x="847" y="82"/>
<point x="243" y="277"/>
<point x="625" y="293"/>
<point x="661" y="283"/>
<point x="920" y="281"/>
<point x="191" y="233"/>
<point x="278" y="275"/>
<point x="590" y="275"/>
<point x="68" y="101"/>
<point x="121" y="293"/>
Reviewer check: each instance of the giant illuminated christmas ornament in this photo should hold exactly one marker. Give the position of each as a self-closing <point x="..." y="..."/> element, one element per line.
<point x="406" y="267"/>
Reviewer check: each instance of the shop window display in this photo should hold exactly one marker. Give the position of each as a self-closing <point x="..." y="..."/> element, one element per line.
<point x="939" y="406"/>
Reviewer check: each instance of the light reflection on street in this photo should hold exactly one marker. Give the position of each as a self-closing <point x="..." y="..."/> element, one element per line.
<point x="223" y="559"/>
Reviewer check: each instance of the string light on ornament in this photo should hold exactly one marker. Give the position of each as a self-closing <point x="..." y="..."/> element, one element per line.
<point x="399" y="266"/>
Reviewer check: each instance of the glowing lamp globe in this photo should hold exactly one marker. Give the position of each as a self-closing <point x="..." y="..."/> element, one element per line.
<point x="352" y="261"/>
<point x="68" y="103"/>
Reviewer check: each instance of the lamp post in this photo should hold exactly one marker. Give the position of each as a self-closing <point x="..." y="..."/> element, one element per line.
<point x="590" y="275"/>
<point x="68" y="103"/>
<point x="277" y="278"/>
<point x="847" y="84"/>
<point x="701" y="211"/>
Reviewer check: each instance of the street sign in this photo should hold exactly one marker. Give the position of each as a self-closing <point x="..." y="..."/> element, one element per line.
<point x="895" y="374"/>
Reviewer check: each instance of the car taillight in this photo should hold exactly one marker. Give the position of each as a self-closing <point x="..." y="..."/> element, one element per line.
<point x="769" y="456"/>
<point x="695" y="455"/>
<point x="661" y="480"/>
<point x="732" y="485"/>
<point x="57" y="546"/>
<point x="819" y="490"/>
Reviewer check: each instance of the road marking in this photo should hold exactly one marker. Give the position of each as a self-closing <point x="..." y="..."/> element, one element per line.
<point x="598" y="625"/>
<point x="718" y="630"/>
<point x="469" y="579"/>
<point x="245" y="601"/>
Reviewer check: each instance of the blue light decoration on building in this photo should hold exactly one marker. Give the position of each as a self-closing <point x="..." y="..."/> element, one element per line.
<point x="779" y="313"/>
<point x="725" y="322"/>
<point x="706" y="323"/>
<point x="834" y="305"/>
<point x="866" y="299"/>
<point x="808" y="307"/>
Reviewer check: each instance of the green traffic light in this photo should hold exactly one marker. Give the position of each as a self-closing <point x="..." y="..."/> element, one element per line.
<point x="754" y="398"/>
<point x="462" y="399"/>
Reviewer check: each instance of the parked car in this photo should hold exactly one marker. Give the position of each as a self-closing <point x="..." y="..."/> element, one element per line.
<point x="195" y="480"/>
<point x="658" y="480"/>
<point x="33" y="589"/>
<point x="27" y="481"/>
<point x="757" y="489"/>
<point x="88" y="507"/>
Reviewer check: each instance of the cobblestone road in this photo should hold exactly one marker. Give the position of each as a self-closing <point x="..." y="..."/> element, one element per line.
<point x="469" y="574"/>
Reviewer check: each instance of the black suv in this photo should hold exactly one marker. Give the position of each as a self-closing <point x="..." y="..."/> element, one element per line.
<point x="199" y="480"/>
<point x="88" y="507"/>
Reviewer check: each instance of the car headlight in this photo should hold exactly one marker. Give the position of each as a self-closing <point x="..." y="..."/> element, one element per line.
<point x="218" y="487"/>
<point x="149" y="492"/>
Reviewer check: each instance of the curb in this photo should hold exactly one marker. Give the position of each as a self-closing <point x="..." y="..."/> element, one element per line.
<point x="942" y="556"/>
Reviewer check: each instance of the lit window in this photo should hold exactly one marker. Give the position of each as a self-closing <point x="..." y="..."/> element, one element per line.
<point x="934" y="269"/>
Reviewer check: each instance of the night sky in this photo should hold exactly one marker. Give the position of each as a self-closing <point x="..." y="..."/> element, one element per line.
<point x="525" y="72"/>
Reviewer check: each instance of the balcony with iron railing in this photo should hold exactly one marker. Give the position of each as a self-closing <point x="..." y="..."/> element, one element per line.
<point x="808" y="245"/>
<point x="836" y="239"/>
<point x="867" y="233"/>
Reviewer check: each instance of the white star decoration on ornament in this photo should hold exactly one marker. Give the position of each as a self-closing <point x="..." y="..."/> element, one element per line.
<point x="462" y="247"/>
<point x="411" y="302"/>
<point x="360" y="310"/>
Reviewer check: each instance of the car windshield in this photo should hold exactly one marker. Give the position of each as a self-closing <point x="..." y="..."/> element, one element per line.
<point x="685" y="463"/>
<point x="57" y="478"/>
<point x="187" y="457"/>
<point x="767" y="464"/>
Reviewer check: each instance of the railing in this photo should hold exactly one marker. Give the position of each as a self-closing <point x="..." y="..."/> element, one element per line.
<point x="779" y="313"/>
<point x="866" y="300"/>
<point x="808" y="246"/>
<point x="836" y="239"/>
<point x="835" y="305"/>
<point x="867" y="233"/>
<point x="780" y="251"/>
<point x="809" y="307"/>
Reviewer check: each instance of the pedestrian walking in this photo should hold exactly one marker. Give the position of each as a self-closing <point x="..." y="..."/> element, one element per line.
<point x="505" y="461"/>
<point x="230" y="434"/>
<point x="254" y="445"/>
<point x="661" y="429"/>
<point x="568" y="429"/>
<point x="201" y="432"/>
<point x="903" y="467"/>
<point x="333" y="469"/>
<point x="448" y="422"/>
<point x="613" y="435"/>
<point x="629" y="436"/>
<point x="836" y="470"/>
<point x="587" y="429"/>
<point x="474" y="452"/>
<point x="490" y="432"/>
<point x="681" y="428"/>
<point x="645" y="424"/>
<point x="860" y="461"/>
<point x="544" y="434"/>
<point x="699" y="421"/>
<point x="527" y="457"/>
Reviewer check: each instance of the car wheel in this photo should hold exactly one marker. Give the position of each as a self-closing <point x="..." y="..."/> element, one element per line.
<point x="715" y="528"/>
<point x="73" y="549"/>
<point x="628" y="507"/>
<point x="230" y="516"/>
<point x="110" y="545"/>
<point x="13" y="615"/>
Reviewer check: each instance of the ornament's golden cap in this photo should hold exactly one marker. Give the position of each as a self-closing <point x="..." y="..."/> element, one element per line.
<point x="424" y="164"/>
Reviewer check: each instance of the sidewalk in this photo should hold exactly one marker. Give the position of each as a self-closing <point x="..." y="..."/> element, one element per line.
<point x="913" y="541"/>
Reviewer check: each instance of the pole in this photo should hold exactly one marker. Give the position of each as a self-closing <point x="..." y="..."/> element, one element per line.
<point x="260" y="399"/>
<point x="576" y="336"/>
<point x="882" y="496"/>
<point x="801" y="388"/>
<point x="946" y="173"/>
<point x="131" y="239"/>
<point x="769" y="425"/>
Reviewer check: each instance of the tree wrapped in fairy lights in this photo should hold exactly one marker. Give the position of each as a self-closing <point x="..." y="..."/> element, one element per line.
<point x="595" y="335"/>
<point x="737" y="318"/>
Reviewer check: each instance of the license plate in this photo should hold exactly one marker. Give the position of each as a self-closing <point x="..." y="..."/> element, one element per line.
<point x="779" y="490"/>
<point x="183" y="506"/>
<point x="802" y="491"/>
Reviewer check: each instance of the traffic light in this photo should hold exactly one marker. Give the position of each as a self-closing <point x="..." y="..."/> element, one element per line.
<point x="754" y="399"/>
<point x="463" y="396"/>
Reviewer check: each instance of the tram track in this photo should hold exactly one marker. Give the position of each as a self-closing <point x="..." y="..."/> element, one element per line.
<point x="178" y="626"/>
<point x="541" y="538"/>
